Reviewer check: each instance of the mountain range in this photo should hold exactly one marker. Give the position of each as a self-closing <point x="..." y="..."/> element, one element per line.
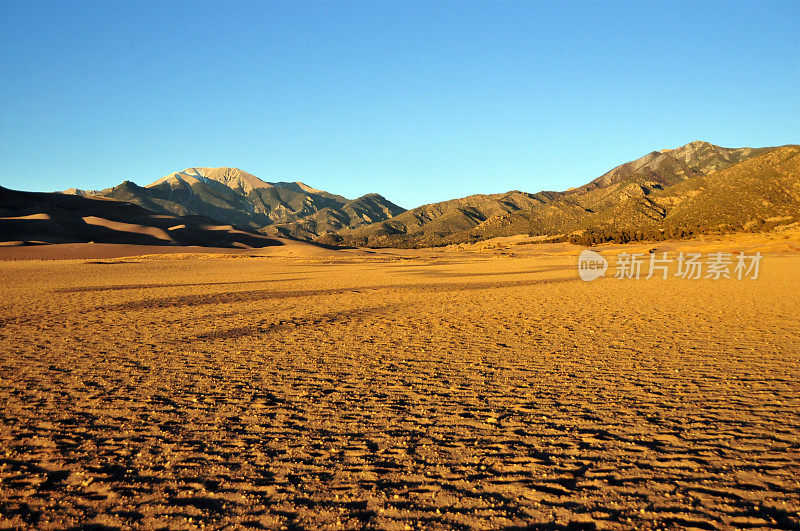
<point x="696" y="188"/>
<point x="233" y="196"/>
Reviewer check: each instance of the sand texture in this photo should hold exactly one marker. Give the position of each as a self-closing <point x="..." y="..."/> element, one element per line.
<point x="395" y="390"/>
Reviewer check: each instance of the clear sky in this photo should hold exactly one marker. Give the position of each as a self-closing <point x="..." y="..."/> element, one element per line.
<point x="420" y="102"/>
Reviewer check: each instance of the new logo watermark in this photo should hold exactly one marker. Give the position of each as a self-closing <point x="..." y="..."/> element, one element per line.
<point x="592" y="265"/>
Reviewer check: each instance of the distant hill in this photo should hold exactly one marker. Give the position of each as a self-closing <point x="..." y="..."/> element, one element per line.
<point x="658" y="170"/>
<point x="694" y="188"/>
<point x="36" y="218"/>
<point x="757" y="193"/>
<point x="439" y="223"/>
<point x="230" y="195"/>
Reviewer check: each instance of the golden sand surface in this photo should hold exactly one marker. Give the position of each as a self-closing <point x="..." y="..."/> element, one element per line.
<point x="396" y="389"/>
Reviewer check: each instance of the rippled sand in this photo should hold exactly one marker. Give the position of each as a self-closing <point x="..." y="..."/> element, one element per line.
<point x="435" y="390"/>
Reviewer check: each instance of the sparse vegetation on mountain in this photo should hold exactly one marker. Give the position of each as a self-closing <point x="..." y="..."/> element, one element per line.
<point x="697" y="188"/>
<point x="230" y="195"/>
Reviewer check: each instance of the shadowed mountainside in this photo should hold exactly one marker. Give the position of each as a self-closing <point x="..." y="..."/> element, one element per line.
<point x="230" y="195"/>
<point x="755" y="194"/>
<point x="438" y="222"/>
<point x="697" y="187"/>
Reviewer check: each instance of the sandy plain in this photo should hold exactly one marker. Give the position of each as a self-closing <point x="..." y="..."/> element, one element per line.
<point x="470" y="387"/>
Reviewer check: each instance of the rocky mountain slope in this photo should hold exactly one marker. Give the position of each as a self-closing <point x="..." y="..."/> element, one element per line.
<point x="718" y="188"/>
<point x="230" y="195"/>
<point x="756" y="193"/>
<point x="440" y="222"/>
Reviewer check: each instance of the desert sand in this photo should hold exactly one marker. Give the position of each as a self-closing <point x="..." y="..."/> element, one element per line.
<point x="469" y="387"/>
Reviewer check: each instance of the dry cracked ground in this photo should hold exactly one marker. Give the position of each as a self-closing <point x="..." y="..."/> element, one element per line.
<point x="428" y="391"/>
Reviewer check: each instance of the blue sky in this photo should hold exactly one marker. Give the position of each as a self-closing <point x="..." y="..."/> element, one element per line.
<point x="420" y="102"/>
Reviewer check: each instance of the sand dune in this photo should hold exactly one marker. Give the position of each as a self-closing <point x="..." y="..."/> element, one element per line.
<point x="28" y="217"/>
<point x="133" y="228"/>
<point x="41" y="215"/>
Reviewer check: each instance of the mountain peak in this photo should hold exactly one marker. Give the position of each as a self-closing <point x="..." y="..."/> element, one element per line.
<point x="698" y="143"/>
<point x="692" y="146"/>
<point x="231" y="177"/>
<point x="230" y="195"/>
<point x="706" y="157"/>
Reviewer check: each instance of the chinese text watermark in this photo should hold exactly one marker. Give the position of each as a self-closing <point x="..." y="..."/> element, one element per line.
<point x="592" y="265"/>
